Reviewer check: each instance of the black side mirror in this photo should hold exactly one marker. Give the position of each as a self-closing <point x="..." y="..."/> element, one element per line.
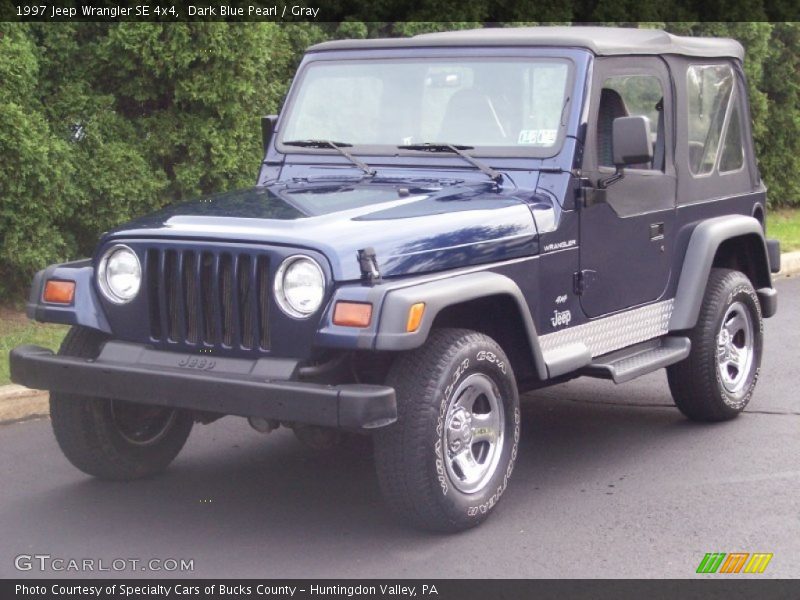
<point x="267" y="130"/>
<point x="630" y="143"/>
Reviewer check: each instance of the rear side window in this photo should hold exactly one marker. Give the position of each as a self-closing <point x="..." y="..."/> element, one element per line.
<point x="714" y="119"/>
<point x="732" y="158"/>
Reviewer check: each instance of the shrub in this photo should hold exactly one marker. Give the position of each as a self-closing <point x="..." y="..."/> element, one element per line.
<point x="101" y="122"/>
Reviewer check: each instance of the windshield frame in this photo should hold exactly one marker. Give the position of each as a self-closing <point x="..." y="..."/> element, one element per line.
<point x="515" y="151"/>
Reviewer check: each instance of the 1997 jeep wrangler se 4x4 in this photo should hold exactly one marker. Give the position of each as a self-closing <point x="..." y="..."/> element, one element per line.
<point x="440" y="223"/>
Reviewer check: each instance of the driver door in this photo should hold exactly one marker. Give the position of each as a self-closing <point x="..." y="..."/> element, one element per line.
<point x="627" y="235"/>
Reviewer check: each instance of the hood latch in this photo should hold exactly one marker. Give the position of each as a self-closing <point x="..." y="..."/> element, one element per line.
<point x="368" y="262"/>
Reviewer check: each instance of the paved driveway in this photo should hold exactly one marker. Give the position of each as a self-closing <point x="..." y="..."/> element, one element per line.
<point x="611" y="481"/>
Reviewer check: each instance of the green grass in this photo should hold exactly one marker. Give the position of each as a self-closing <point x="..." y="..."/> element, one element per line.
<point x="785" y="226"/>
<point x="15" y="330"/>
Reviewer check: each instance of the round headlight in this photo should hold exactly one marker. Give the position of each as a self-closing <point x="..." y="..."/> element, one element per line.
<point x="120" y="274"/>
<point x="299" y="286"/>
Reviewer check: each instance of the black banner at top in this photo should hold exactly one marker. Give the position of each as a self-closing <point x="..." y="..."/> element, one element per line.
<point x="475" y="11"/>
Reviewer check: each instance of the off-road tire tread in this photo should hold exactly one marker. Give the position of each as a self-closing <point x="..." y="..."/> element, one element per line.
<point x="692" y="381"/>
<point x="410" y="493"/>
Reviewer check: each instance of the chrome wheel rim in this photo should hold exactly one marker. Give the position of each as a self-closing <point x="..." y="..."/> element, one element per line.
<point x="142" y="425"/>
<point x="735" y="348"/>
<point x="473" y="433"/>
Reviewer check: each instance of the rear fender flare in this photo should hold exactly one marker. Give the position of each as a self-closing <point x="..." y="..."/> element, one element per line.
<point x="699" y="258"/>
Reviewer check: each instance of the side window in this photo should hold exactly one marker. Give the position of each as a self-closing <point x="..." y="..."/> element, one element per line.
<point x="710" y="92"/>
<point x="631" y="96"/>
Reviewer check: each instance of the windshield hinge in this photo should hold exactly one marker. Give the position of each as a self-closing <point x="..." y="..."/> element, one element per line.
<point x="368" y="262"/>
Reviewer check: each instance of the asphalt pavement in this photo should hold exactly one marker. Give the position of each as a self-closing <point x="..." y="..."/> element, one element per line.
<point x="611" y="481"/>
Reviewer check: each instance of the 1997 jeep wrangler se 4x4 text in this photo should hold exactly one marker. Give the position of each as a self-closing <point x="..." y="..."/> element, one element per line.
<point x="440" y="223"/>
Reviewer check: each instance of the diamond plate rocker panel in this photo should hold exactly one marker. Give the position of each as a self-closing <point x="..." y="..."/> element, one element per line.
<point x="612" y="333"/>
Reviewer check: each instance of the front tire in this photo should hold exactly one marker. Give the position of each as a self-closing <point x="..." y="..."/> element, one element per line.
<point x="447" y="460"/>
<point x="716" y="381"/>
<point x="112" y="439"/>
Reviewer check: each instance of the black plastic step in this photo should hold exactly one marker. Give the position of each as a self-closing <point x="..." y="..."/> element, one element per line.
<point x="629" y="363"/>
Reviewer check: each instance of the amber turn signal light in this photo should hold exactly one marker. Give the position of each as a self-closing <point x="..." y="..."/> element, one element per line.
<point x="59" y="292"/>
<point x="352" y="314"/>
<point x="415" y="316"/>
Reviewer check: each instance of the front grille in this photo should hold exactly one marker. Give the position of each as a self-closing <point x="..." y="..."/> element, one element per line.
<point x="208" y="298"/>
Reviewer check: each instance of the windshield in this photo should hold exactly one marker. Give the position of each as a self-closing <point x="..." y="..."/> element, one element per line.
<point x="486" y="104"/>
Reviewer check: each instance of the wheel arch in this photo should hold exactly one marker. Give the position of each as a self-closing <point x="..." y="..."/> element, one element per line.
<point x="478" y="314"/>
<point x="732" y="241"/>
<point x="464" y="301"/>
<point x="759" y="214"/>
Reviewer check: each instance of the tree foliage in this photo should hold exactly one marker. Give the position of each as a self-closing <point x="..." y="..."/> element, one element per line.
<point x="101" y="122"/>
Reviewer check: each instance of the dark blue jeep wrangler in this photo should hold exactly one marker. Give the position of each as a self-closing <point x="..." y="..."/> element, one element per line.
<point x="439" y="224"/>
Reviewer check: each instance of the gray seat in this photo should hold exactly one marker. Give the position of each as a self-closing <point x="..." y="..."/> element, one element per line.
<point x="611" y="107"/>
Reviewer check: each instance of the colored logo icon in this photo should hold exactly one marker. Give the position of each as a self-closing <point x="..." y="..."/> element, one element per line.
<point x="736" y="562"/>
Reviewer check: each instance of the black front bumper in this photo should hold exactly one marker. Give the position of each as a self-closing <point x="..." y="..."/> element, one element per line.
<point x="228" y="386"/>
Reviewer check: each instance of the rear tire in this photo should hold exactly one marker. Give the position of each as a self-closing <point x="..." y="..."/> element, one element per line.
<point x="447" y="460"/>
<point x="716" y="381"/>
<point x="111" y="439"/>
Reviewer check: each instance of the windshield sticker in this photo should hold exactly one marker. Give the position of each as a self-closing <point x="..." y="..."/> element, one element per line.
<point x="537" y="137"/>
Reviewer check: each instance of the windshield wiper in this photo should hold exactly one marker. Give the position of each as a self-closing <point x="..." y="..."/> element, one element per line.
<point x="338" y="146"/>
<point x="495" y="176"/>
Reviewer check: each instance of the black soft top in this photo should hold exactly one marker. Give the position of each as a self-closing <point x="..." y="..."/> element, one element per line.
<point x="603" y="41"/>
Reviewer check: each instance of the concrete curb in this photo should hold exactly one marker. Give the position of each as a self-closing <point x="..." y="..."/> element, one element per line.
<point x="18" y="402"/>
<point x="790" y="264"/>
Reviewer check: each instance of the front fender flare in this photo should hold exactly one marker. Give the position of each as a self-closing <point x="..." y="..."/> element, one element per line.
<point x="392" y="300"/>
<point x="440" y="294"/>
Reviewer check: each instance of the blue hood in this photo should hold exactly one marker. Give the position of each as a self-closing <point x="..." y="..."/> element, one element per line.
<point x="414" y="227"/>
